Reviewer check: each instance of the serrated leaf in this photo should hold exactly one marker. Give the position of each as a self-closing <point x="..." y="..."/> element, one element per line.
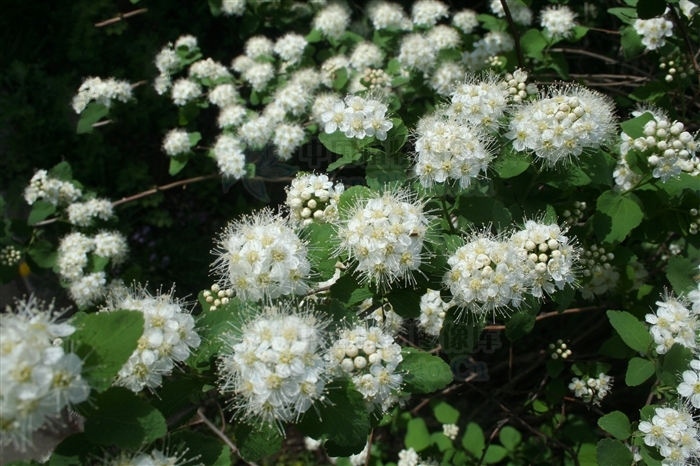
<point x="119" y="417"/>
<point x="351" y="197"/>
<point x="680" y="272"/>
<point x="533" y="43"/>
<point x="104" y="341"/>
<point x="417" y="435"/>
<point x="194" y="138"/>
<point x="177" y="400"/>
<point x="510" y="163"/>
<point x="177" y="163"/>
<point x="638" y="371"/>
<point x="617" y="424"/>
<point x="91" y="115"/>
<point x="62" y="171"/>
<point x="616" y="216"/>
<point x="611" y="452"/>
<point x="348" y="291"/>
<point x="338" y="143"/>
<point x="634" y="128"/>
<point x="520" y="324"/>
<point x="631" y="42"/>
<point x="633" y="332"/>
<point x="341" y="79"/>
<point x="258" y="441"/>
<point x="484" y="210"/>
<point x="40" y="211"/>
<point x="423" y="372"/>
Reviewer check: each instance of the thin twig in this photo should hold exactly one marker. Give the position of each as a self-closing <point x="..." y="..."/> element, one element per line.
<point x="120" y="16"/>
<point x="686" y="40"/>
<point x="219" y="433"/>
<point x="516" y="36"/>
<point x="574" y="310"/>
<point x="101" y="123"/>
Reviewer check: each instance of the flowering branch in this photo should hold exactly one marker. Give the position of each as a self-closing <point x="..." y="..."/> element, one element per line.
<point x="516" y="36"/>
<point x="120" y="16"/>
<point x="574" y="310"/>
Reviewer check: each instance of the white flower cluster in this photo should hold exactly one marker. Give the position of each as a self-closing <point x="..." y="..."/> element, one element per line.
<point x="366" y="55"/>
<point x="233" y="7"/>
<point x="224" y="95"/>
<point x="489" y="46"/>
<point x="38" y="378"/>
<point x="591" y="389"/>
<point x="82" y="213"/>
<point x="208" y="69"/>
<point x="690" y="387"/>
<point x="383" y="236"/>
<point x="168" y="61"/>
<point x="558" y="21"/>
<point x="653" y="31"/>
<point x="465" y="21"/>
<point x="167" y="339"/>
<point x="411" y="458"/>
<point x="313" y="198"/>
<point x="369" y="356"/>
<point x="517" y="87"/>
<point x="88" y="288"/>
<point x="673" y="322"/>
<point x="333" y="20"/>
<point x="102" y="92"/>
<point x="358" y="118"/>
<point x="287" y="139"/>
<point x="676" y="65"/>
<point x="600" y="276"/>
<point x="444" y="37"/>
<point x="383" y="316"/>
<point x="258" y="75"/>
<point x="155" y="458"/>
<point x="290" y="48"/>
<point x="217" y="297"/>
<point x="562" y="124"/>
<point x="450" y="430"/>
<point x="670" y="150"/>
<point x="261" y="256"/>
<point x="675" y="433"/>
<point x="427" y="13"/>
<point x="229" y="156"/>
<point x="520" y="13"/>
<point x="388" y="15"/>
<point x="432" y="313"/>
<point x="10" y="256"/>
<point x="481" y="101"/>
<point x="446" y="77"/>
<point x="184" y="91"/>
<point x="417" y="53"/>
<point x="448" y="149"/>
<point x="176" y="142"/>
<point x="274" y="365"/>
<point x="46" y="188"/>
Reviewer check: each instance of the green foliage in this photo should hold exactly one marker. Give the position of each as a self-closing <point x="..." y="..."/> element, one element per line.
<point x="257" y="441"/>
<point x="423" y="372"/>
<point x="611" y="452"/>
<point x="617" y="424"/>
<point x="616" y="216"/>
<point x="633" y="332"/>
<point x="417" y="435"/>
<point x="639" y="371"/>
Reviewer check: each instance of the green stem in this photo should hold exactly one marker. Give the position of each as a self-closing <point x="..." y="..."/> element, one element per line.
<point x="532" y="184"/>
<point x="646" y="179"/>
<point x="446" y="211"/>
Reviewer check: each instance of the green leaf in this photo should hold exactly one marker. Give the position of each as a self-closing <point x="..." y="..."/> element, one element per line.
<point x="194" y="138"/>
<point x="615" y="347"/>
<point x="647" y="9"/>
<point x="91" y="115"/>
<point x="119" y="417"/>
<point x="396" y="137"/>
<point x="351" y="197"/>
<point x="509" y="437"/>
<point x="406" y="303"/>
<point x="510" y="163"/>
<point x="74" y="450"/>
<point x="533" y="43"/>
<point x="348" y="291"/>
<point x="494" y="454"/>
<point x="177" y="163"/>
<point x="43" y="253"/>
<point x="341" y="79"/>
<point x="638" y="371"/>
<point x="40" y="211"/>
<point x="617" y="424"/>
<point x="314" y="36"/>
<point x="571" y="176"/>
<point x="445" y="413"/>
<point x="611" y="452"/>
<point x="97" y="263"/>
<point x="256" y="442"/>
<point x="62" y="171"/>
<point x="473" y="440"/>
<point x="342" y="418"/>
<point x="554" y="367"/>
<point x="680" y="273"/>
<point x="634" y="128"/>
<point x="201" y="449"/>
<point x="423" y="372"/>
<point x="650" y="92"/>
<point x="520" y="324"/>
<point x="616" y="216"/>
<point x="676" y="361"/>
<point x="338" y="143"/>
<point x="322" y="242"/>
<point x="177" y="400"/>
<point x="631" y="42"/>
<point x="104" y="342"/>
<point x="484" y="211"/>
<point x="633" y="332"/>
<point x="417" y="435"/>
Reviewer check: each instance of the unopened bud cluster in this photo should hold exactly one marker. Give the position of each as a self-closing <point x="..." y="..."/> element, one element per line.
<point x="573" y="215"/>
<point x="601" y="275"/>
<point x="559" y="350"/>
<point x="217" y="297"/>
<point x="591" y="389"/>
<point x="518" y="89"/>
<point x="375" y="79"/>
<point x="313" y="198"/>
<point x="670" y="149"/>
<point x="676" y="65"/>
<point x="694" y="222"/>
<point x="10" y="256"/>
<point x="432" y="313"/>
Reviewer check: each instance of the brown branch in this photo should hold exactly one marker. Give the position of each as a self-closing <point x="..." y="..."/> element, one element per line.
<point x="219" y="433"/>
<point x="120" y="16"/>
<point x="686" y="40"/>
<point x="516" y="36"/>
<point x="574" y="310"/>
<point x="101" y="123"/>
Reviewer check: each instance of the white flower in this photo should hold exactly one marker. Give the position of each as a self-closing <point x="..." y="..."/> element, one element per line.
<point x="383" y="236"/>
<point x="46" y="188"/>
<point x="450" y="430"/>
<point x="290" y="47"/>
<point x="428" y="12"/>
<point x="258" y="46"/>
<point x="592" y="390"/>
<point x="446" y="77"/>
<point x="690" y="387"/>
<point x="273" y="365"/>
<point x="111" y="245"/>
<point x="83" y="213"/>
<point x="408" y="458"/>
<point x="208" y="69"/>
<point x="261" y="256"/>
<point x="168" y="337"/>
<point x="288" y="138"/>
<point x="480" y="100"/>
<point x="88" y="289"/>
<point x="366" y="55"/>
<point x="223" y="95"/>
<point x="187" y="41"/>
<point x="241" y="63"/>
<point x="313" y="198"/>
<point x="292" y="98"/>
<point x="673" y="323"/>
<point x="674" y="432"/>
<point x="520" y="13"/>
<point x="490" y="45"/>
<point x="176" y="142"/>
<point x="231" y="116"/>
<point x="102" y="92"/>
<point x="600" y="276"/>
<point x="258" y="75"/>
<point x="323" y="103"/>
<point x="256" y="132"/>
<point x="653" y="31"/>
<point x="233" y="7"/>
<point x="417" y="53"/>
<point x="558" y="21"/>
<point x="432" y="313"/>
<point x="184" y="91"/>
<point x="229" y="156"/>
<point x="444" y="37"/>
<point x="465" y="20"/>
<point x="167" y="60"/>
<point x="388" y="15"/>
<point x="333" y="20"/>
<point x="72" y="255"/>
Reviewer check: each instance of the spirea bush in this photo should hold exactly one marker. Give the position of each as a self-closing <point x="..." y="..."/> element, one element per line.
<point x="480" y="244"/>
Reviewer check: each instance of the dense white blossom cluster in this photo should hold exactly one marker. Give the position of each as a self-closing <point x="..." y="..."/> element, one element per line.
<point x="448" y="149"/>
<point x="208" y="69"/>
<point x="288" y="137"/>
<point x="690" y="387"/>
<point x="369" y="356"/>
<point x="432" y="313"/>
<point x="600" y="276"/>
<point x="101" y="91"/>
<point x="427" y="13"/>
<point x="46" y="188"/>
<point x="258" y="75"/>
<point x="82" y="214"/>
<point x="383" y="236"/>
<point x="490" y="45"/>
<point x="590" y="389"/>
<point x="313" y="198"/>
<point x="176" y="142"/>
<point x="184" y="91"/>
<point x="450" y="430"/>
<point x="168" y="337"/>
<point x="358" y="118"/>
<point x="409" y="457"/>
<point x="520" y="13"/>
<point x="653" y="31"/>
<point x="444" y="37"/>
<point x="563" y="123"/>
<point x="168" y="62"/>
<point x="674" y="432"/>
<point x="673" y="322"/>
<point x="155" y="458"/>
<point x="290" y="47"/>
<point x="558" y="21"/>
<point x="481" y="101"/>
<point x="417" y="53"/>
<point x="465" y="21"/>
<point x="388" y="15"/>
<point x="229" y="156"/>
<point x="333" y="20"/>
<point x="366" y="55"/>
<point x="446" y="77"/>
<point x="274" y="364"/>
<point x="261" y="256"/>
<point x="233" y="7"/>
<point x="224" y="95"/>
<point x="670" y="150"/>
<point x="382" y="316"/>
<point x="38" y="377"/>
